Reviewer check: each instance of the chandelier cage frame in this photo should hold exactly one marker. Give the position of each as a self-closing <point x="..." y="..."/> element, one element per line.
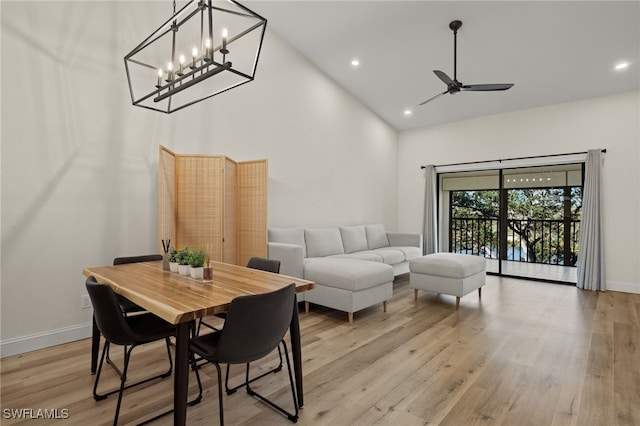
<point x="161" y="78"/>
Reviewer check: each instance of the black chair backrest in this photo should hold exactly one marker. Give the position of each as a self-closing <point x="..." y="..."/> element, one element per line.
<point x="255" y="325"/>
<point x="108" y="315"/>
<point x="269" y="265"/>
<point x="136" y="259"/>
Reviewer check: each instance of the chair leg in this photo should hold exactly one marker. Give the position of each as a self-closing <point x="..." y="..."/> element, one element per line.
<point x="95" y="345"/>
<point x="123" y="378"/>
<point x="220" y="404"/>
<point x="123" y="374"/>
<point x="168" y="373"/>
<point x="201" y="323"/>
<point x="196" y="400"/>
<point x="97" y="396"/>
<point x="194" y="366"/>
<point x="292" y="417"/>
<point x="235" y="388"/>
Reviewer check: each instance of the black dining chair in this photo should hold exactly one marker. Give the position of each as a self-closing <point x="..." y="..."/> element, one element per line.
<point x="255" y="325"/>
<point x="127" y="331"/>
<point x="262" y="264"/>
<point x="126" y="305"/>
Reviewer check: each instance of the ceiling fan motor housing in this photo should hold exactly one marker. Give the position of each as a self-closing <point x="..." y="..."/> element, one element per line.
<point x="455" y="25"/>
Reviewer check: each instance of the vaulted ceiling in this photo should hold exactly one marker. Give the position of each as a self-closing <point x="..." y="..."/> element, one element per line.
<point x="553" y="52"/>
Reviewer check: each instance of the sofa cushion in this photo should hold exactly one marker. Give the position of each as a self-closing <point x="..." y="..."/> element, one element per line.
<point x="389" y="255"/>
<point x="376" y="236"/>
<point x="288" y="236"/>
<point x="354" y="238"/>
<point x="410" y="252"/>
<point x="347" y="274"/>
<point x="323" y="242"/>
<point x="361" y="255"/>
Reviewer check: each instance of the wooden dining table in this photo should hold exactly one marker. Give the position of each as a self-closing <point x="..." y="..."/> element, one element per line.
<point x="180" y="300"/>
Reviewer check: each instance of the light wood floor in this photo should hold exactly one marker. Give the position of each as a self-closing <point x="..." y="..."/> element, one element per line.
<point x="528" y="353"/>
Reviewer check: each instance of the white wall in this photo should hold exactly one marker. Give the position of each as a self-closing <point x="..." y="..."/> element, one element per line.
<point x="611" y="122"/>
<point x="79" y="163"/>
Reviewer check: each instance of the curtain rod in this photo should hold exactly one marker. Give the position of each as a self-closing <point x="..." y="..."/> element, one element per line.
<point x="604" y="150"/>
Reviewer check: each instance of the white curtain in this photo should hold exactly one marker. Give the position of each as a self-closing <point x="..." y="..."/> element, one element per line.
<point x="591" y="272"/>
<point x="430" y="225"/>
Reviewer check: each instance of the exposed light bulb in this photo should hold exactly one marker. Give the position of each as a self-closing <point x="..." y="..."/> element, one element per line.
<point x="207" y="50"/>
<point x="622" y="65"/>
<point x="169" y="71"/>
<point x="194" y="56"/>
<point x="225" y="34"/>
<point x="355" y="62"/>
<point x="181" y="60"/>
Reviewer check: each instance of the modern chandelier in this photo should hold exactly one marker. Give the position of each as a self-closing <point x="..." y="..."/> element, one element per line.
<point x="206" y="48"/>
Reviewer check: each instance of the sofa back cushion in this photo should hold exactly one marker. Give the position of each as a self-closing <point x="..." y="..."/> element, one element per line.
<point x="376" y="236"/>
<point x="323" y="242"/>
<point x="354" y="238"/>
<point x="288" y="236"/>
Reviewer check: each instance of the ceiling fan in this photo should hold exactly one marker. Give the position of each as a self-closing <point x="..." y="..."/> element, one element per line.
<point x="454" y="86"/>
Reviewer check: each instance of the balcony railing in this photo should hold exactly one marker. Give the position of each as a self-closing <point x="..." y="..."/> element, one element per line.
<point x="553" y="242"/>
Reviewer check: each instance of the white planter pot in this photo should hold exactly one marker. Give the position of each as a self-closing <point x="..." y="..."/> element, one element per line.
<point x="183" y="269"/>
<point x="173" y="266"/>
<point x="196" y="272"/>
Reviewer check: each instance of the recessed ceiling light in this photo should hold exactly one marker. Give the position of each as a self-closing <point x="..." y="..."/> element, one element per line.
<point x="622" y="65"/>
<point x="355" y="62"/>
<point x="408" y="112"/>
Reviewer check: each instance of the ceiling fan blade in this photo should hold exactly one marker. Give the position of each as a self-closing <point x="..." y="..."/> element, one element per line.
<point x="444" y="77"/>
<point x="486" y="87"/>
<point x="434" y="97"/>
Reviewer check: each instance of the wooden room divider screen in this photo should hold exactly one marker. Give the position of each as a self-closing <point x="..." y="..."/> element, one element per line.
<point x="213" y="203"/>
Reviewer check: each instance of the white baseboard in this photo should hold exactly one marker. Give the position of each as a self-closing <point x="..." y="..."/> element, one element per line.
<point x="623" y="287"/>
<point x="32" y="342"/>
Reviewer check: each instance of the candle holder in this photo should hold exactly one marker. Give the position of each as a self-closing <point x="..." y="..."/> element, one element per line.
<point x="207" y="271"/>
<point x="207" y="274"/>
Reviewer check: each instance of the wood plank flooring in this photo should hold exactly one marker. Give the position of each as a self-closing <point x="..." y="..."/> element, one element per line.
<point x="527" y="353"/>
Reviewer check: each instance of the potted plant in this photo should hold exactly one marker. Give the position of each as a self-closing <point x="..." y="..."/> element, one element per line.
<point x="196" y="262"/>
<point x="182" y="257"/>
<point x="173" y="262"/>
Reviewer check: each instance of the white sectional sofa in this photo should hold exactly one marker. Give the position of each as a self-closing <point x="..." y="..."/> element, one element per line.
<point x="353" y="266"/>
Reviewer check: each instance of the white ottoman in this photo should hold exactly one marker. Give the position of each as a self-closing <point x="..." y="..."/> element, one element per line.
<point x="448" y="273"/>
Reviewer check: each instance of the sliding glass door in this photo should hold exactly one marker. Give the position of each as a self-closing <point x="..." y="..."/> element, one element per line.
<point x="524" y="221"/>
